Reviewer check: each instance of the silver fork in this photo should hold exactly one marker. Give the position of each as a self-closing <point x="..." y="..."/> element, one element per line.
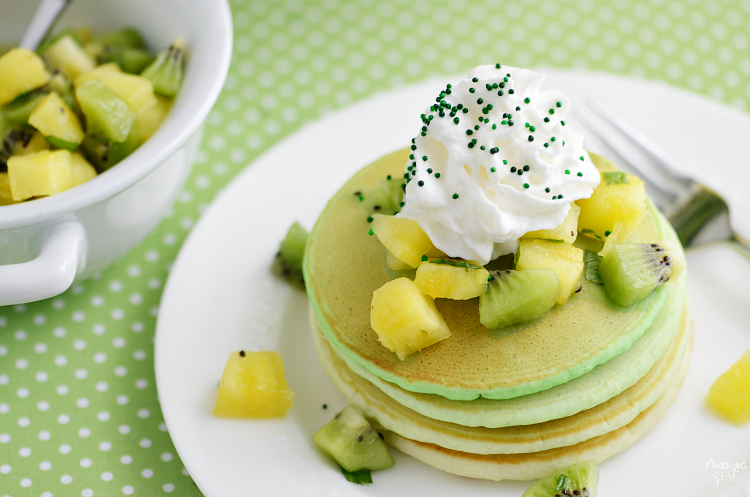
<point x="698" y="214"/>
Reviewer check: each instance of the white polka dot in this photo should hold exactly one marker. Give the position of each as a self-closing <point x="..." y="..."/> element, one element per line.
<point x="134" y="270"/>
<point x="3" y="350"/>
<point x="117" y="314"/>
<point x="185" y="472"/>
<point x="45" y="465"/>
<point x="24" y="422"/>
<point x="100" y="357"/>
<point x="122" y="399"/>
<point x="46" y="494"/>
<point x="141" y="384"/>
<point x="65" y="449"/>
<point x="143" y="413"/>
<point x="22" y="392"/>
<point x="4" y="438"/>
<point x="5" y="469"/>
<point x="58" y="304"/>
<point x="40" y="348"/>
<point x="44" y="435"/>
<point x="107" y="476"/>
<point x="85" y="462"/>
<point x="128" y="490"/>
<point x="79" y="344"/>
<point x="63" y="419"/>
<point x="19" y="308"/>
<point x="97" y="301"/>
<point x="22" y="363"/>
<point x="105" y="446"/>
<point x="103" y="416"/>
<point x="87" y="493"/>
<point x="66" y="479"/>
<point x="147" y="473"/>
<point x="42" y="376"/>
<point x="145" y="443"/>
<point x="81" y="373"/>
<point x="98" y="329"/>
<point x="40" y="319"/>
<point x="62" y="390"/>
<point x="3" y="322"/>
<point x="20" y="335"/>
<point x="4" y="380"/>
<point x="166" y="457"/>
<point x="121" y="371"/>
<point x="84" y="433"/>
<point x="42" y="405"/>
<point x="126" y="459"/>
<point x="139" y="355"/>
<point x="4" y="408"/>
<point x="118" y="342"/>
<point x="168" y="487"/>
<point x="162" y="427"/>
<point x="102" y="386"/>
<point x="61" y="360"/>
<point x="115" y="286"/>
<point x="26" y="482"/>
<point x="124" y="429"/>
<point x="24" y="452"/>
<point x="77" y="289"/>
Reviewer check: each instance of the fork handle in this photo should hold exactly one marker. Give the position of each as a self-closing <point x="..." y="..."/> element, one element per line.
<point x="690" y="218"/>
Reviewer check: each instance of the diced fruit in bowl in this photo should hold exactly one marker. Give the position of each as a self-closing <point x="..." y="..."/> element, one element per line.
<point x="730" y="393"/>
<point x="451" y="279"/>
<point x="631" y="271"/>
<point x="566" y="232"/>
<point x="405" y="320"/>
<point x="67" y="55"/>
<point x="579" y="480"/>
<point x="57" y="123"/>
<point x="404" y="238"/>
<point x="22" y="71"/>
<point x="619" y="196"/>
<point x="253" y="386"/>
<point x="517" y="297"/>
<point x="564" y="259"/>
<point x="44" y="173"/>
<point x="351" y="440"/>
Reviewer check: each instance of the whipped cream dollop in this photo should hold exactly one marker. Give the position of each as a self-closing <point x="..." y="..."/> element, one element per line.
<point x="495" y="159"/>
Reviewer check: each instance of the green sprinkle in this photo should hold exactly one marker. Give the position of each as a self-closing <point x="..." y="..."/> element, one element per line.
<point x="437" y="175"/>
<point x="492" y="169"/>
<point x="552" y="139"/>
<point x="526" y="167"/>
<point x="546" y="144"/>
<point x="546" y="190"/>
<point x="567" y="171"/>
<point x="480" y="101"/>
<point x="469" y="132"/>
<point x="424" y="157"/>
<point x="388" y="177"/>
<point x="546" y="119"/>
<point x="511" y="91"/>
<point x="505" y="162"/>
<point x="474" y="80"/>
<point x="471" y="90"/>
<point x="503" y="122"/>
<point x="369" y="219"/>
<point x="370" y="232"/>
<point x="527" y="125"/>
<point x="532" y="128"/>
<point x="580" y="174"/>
<point x="562" y="122"/>
<point x="558" y="104"/>
<point x="424" y="257"/>
<point x="526" y="100"/>
<point x="607" y="233"/>
<point x="500" y="93"/>
<point x="455" y="120"/>
<point x="581" y="157"/>
<point x="552" y="111"/>
<point x="497" y="66"/>
<point x="465" y="110"/>
<point x="455" y="196"/>
<point x="494" y="126"/>
<point x="482" y="147"/>
<point x="429" y="170"/>
<point x="531" y="138"/>
<point x="525" y="185"/>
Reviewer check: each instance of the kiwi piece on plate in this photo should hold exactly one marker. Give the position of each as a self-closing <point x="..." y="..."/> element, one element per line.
<point x="385" y="198"/>
<point x="517" y="297"/>
<point x="631" y="271"/>
<point x="352" y="441"/>
<point x="577" y="480"/>
<point x="288" y="262"/>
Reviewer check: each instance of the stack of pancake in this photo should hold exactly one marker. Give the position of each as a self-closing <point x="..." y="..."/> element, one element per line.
<point x="583" y="383"/>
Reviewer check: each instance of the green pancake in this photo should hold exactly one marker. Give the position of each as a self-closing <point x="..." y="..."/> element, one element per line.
<point x="387" y="414"/>
<point x="587" y="391"/>
<point x="344" y="265"/>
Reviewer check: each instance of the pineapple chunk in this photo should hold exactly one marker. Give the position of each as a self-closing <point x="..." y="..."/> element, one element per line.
<point x="68" y="56"/>
<point x="566" y="232"/>
<point x="6" y="197"/>
<point x="405" y="320"/>
<point x="28" y="144"/>
<point x="730" y="393"/>
<point x="394" y="263"/>
<point x="22" y="70"/>
<point x="253" y="386"/>
<point x="404" y="239"/>
<point x="448" y="279"/>
<point x="137" y="92"/>
<point x="610" y="203"/>
<point x="81" y="169"/>
<point x="620" y="234"/>
<point x="55" y="120"/>
<point x="564" y="259"/>
<point x="43" y="173"/>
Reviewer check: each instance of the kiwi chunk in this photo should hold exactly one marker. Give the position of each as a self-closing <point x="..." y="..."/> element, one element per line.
<point x="631" y="271"/>
<point x="577" y="480"/>
<point x="288" y="263"/>
<point x="591" y="261"/>
<point x="18" y="110"/>
<point x="165" y="73"/>
<point x="108" y="117"/>
<point x="130" y="60"/>
<point x="517" y="297"/>
<point x="352" y="441"/>
<point x="104" y="153"/>
<point x="385" y="198"/>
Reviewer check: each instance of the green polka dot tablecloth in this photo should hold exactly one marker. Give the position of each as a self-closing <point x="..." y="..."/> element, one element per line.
<point x="79" y="413"/>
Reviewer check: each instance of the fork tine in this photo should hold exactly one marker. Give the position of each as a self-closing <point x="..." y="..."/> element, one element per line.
<point x="660" y="158"/>
<point x="614" y="141"/>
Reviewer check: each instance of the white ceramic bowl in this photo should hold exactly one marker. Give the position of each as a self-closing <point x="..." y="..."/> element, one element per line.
<point x="48" y="243"/>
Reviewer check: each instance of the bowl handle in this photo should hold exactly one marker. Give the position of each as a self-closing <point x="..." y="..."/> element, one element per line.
<point x="63" y="249"/>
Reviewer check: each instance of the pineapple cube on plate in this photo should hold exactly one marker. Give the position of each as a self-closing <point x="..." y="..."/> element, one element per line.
<point x="449" y="279"/>
<point x="619" y="196"/>
<point x="730" y="393"/>
<point x="253" y="386"/>
<point x="404" y="238"/>
<point x="564" y="259"/>
<point x="42" y="173"/>
<point x="566" y="232"/>
<point x="405" y="320"/>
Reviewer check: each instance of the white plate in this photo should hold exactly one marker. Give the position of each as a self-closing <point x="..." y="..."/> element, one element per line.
<point x="220" y="297"/>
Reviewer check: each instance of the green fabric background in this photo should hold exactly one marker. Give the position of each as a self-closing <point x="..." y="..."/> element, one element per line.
<point x="79" y="413"/>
